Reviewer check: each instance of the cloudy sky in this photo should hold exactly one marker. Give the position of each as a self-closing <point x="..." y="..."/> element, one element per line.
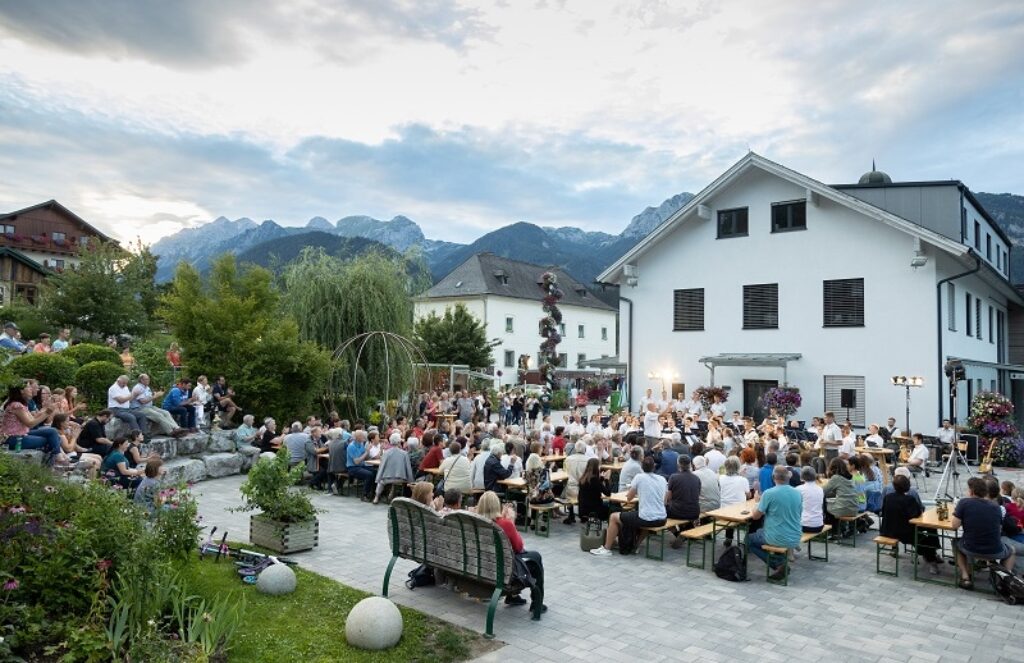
<point x="147" y="116"/>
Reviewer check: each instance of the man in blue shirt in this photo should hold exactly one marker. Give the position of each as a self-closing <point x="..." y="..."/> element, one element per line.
<point x="180" y="405"/>
<point x="781" y="507"/>
<point x="355" y="463"/>
<point x="9" y="339"/>
<point x="765" y="475"/>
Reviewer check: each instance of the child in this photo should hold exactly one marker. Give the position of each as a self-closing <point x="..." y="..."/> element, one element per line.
<point x="146" y="492"/>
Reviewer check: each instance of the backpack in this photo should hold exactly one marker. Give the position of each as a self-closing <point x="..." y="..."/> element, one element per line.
<point x="421" y="576"/>
<point x="1005" y="584"/>
<point x="730" y="566"/>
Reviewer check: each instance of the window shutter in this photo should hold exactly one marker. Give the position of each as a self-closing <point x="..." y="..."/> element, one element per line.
<point x="834" y="385"/>
<point x="844" y="303"/>
<point x="761" y="306"/>
<point x="688" y="310"/>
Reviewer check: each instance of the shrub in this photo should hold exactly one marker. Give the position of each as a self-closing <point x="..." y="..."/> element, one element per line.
<point x="176" y="522"/>
<point x="86" y="353"/>
<point x="560" y="399"/>
<point x="267" y="489"/>
<point x="151" y="358"/>
<point x="53" y="370"/>
<point x="94" y="379"/>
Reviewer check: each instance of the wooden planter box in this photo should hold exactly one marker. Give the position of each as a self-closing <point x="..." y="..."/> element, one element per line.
<point x="283" y="537"/>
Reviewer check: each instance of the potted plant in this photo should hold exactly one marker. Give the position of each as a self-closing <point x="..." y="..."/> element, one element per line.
<point x="286" y="521"/>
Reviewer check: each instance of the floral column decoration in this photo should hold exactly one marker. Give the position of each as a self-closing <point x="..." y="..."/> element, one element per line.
<point x="992" y="417"/>
<point x="548" y="358"/>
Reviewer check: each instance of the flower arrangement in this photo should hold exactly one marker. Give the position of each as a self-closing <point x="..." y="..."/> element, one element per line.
<point x="785" y="400"/>
<point x="707" y="396"/>
<point x="1008" y="452"/>
<point x="991" y="417"/>
<point x="598" y="392"/>
<point x="548" y="328"/>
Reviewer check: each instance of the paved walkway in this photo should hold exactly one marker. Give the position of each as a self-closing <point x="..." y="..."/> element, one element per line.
<point x="630" y="608"/>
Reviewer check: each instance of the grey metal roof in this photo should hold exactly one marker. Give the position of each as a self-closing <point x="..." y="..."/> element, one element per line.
<point x="750" y="359"/>
<point x="489" y="274"/>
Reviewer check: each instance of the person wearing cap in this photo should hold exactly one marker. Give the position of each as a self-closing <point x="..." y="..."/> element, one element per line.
<point x="9" y="339"/>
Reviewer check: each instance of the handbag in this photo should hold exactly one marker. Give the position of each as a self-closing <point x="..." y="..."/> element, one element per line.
<point x="439" y="488"/>
<point x="592" y="534"/>
<point x="542" y="493"/>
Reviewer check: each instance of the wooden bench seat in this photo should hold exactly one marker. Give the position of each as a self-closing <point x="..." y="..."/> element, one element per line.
<point x="889" y="546"/>
<point x="778" y="551"/>
<point x="540" y="515"/>
<point x="460" y="543"/>
<point x="811" y="537"/>
<point x="700" y="533"/>
<point x="659" y="533"/>
<point x="853" y="537"/>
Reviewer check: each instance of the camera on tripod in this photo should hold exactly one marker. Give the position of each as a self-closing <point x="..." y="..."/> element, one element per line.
<point x="955" y="371"/>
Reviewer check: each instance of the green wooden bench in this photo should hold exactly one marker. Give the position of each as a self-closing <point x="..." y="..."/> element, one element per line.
<point x="460" y="543"/>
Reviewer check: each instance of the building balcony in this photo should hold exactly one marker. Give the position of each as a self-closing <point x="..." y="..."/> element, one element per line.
<point x="69" y="246"/>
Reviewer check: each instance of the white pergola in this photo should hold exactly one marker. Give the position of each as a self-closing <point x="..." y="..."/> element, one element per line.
<point x="776" y="359"/>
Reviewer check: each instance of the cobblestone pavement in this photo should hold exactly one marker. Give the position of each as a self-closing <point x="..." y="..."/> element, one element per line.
<point x="631" y="608"/>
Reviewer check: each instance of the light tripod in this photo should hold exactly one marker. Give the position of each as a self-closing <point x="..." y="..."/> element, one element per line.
<point x="949" y="482"/>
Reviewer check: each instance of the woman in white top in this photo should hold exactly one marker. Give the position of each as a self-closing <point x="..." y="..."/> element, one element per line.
<point x="813" y="517"/>
<point x="874" y="439"/>
<point x="714" y="437"/>
<point x="203" y="395"/>
<point x="455" y="470"/>
<point x="848" y="447"/>
<point x="734" y="488"/>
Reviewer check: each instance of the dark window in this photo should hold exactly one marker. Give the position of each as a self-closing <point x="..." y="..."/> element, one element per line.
<point x="1006" y="263"/>
<point x="963" y="224"/>
<point x="988" y="247"/>
<point x="991" y="325"/>
<point x="510" y="359"/>
<point x="732" y="223"/>
<point x="977" y="236"/>
<point x="563" y="359"/>
<point x="58" y="263"/>
<point x="1000" y="337"/>
<point x="761" y="306"/>
<point x="789" y="216"/>
<point x="977" y="317"/>
<point x="999" y="259"/>
<point x="688" y="309"/>
<point x="969" y="314"/>
<point x="580" y="358"/>
<point x="844" y="303"/>
<point x="951" y="306"/>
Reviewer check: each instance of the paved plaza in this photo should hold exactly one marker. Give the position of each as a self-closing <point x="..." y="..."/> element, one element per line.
<point x="634" y="609"/>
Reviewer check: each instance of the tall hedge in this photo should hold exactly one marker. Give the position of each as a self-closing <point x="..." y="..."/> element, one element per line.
<point x="94" y="379"/>
<point x="86" y="353"/>
<point x="50" y="369"/>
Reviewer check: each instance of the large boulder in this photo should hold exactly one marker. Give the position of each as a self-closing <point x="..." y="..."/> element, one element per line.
<point x="117" y="428"/>
<point x="373" y="623"/>
<point x="30" y="455"/>
<point x="165" y="447"/>
<point x="223" y="464"/>
<point x="221" y="440"/>
<point x="187" y="470"/>
<point x="276" y="579"/>
<point x="192" y="444"/>
<point x="249" y="456"/>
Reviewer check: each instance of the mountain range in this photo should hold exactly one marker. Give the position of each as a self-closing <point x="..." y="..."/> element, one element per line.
<point x="581" y="253"/>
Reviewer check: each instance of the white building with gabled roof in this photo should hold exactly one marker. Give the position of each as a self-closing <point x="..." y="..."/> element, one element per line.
<point x="505" y="294"/>
<point x="769" y="276"/>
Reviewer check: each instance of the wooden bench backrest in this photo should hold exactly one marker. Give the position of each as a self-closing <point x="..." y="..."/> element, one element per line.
<point x="460" y="542"/>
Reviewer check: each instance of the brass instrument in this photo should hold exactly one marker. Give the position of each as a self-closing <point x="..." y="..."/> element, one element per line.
<point x="904" y="452"/>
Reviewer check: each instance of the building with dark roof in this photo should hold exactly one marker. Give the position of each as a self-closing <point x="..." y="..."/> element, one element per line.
<point x="507" y="296"/>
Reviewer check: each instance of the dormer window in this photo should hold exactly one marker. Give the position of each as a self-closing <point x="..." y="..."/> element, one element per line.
<point x="581" y="291"/>
<point x="501" y="276"/>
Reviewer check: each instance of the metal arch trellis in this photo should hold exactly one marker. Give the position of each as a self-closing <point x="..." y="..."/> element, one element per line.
<point x="412" y="353"/>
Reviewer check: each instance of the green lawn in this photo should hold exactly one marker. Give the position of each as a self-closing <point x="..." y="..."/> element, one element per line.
<point x="309" y="624"/>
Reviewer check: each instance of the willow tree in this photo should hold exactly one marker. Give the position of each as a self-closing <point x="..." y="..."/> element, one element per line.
<point x="334" y="301"/>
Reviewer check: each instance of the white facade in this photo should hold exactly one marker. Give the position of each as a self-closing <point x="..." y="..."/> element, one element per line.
<point x="523" y="338"/>
<point x="842" y="240"/>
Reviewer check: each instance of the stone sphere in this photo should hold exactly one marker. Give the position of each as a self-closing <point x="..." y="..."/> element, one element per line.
<point x="276" y="579"/>
<point x="374" y="623"/>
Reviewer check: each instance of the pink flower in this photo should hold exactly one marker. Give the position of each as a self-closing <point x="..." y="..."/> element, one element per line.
<point x="103" y="564"/>
<point x="17" y="509"/>
<point x="10" y="585"/>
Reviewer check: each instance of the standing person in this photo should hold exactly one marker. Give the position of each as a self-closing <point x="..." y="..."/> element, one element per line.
<point x="781" y="507"/>
<point x="63" y="340"/>
<point x="652" y="425"/>
<point x="651" y="489"/>
<point x="119" y="397"/>
<point x="982" y="523"/>
<point x="202" y="398"/>
<point x="181" y="405"/>
<point x="174" y="358"/>
<point x="466" y="406"/>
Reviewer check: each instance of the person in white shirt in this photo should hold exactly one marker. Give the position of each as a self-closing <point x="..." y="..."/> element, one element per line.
<point x="647" y="398"/>
<point x="508" y="459"/>
<point x="812" y="519"/>
<point x="477" y="467"/>
<point x="750" y="435"/>
<point x="652" y="425"/>
<point x="737" y="420"/>
<point x="920" y="455"/>
<point x="715" y="460"/>
<point x="204" y="396"/>
<point x="831" y="434"/>
<point x="893" y="429"/>
<point x="119" y="397"/>
<point x="946" y="434"/>
<point x="718" y="408"/>
<point x="874" y="439"/>
<point x="695" y="408"/>
<point x="728" y="441"/>
<point x="848" y="447"/>
<point x="590" y="447"/>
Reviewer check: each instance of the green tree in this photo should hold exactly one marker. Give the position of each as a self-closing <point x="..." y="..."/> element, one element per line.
<point x="232" y="326"/>
<point x="334" y="301"/>
<point x="457" y="337"/>
<point x="110" y="292"/>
